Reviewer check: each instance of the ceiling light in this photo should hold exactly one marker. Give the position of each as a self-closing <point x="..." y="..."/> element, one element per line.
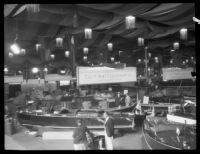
<point x="52" y="56"/>
<point x="112" y="59"/>
<point x="183" y="33"/>
<point x="46" y="69"/>
<point x="140" y="41"/>
<point x="62" y="71"/>
<point x="59" y="41"/>
<point x="23" y="51"/>
<point x="15" y="49"/>
<point x="88" y="33"/>
<point x="37" y="46"/>
<point x="10" y="54"/>
<point x="5" y="69"/>
<point x="85" y="50"/>
<point x="67" y="54"/>
<point x="35" y="70"/>
<point x="130" y="22"/>
<point x="110" y="46"/>
<point x="176" y="45"/>
<point x="84" y="58"/>
<point x="139" y="60"/>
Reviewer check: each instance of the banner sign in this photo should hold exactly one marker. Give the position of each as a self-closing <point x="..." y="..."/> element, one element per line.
<point x="102" y="75"/>
<point x="176" y="73"/>
<point x="57" y="77"/>
<point x="13" y="79"/>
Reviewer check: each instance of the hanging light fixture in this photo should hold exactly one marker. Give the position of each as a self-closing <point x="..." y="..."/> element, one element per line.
<point x="20" y="72"/>
<point x="45" y="69"/>
<point x="59" y="41"/>
<point x="85" y="50"/>
<point x="52" y="56"/>
<point x="192" y="58"/>
<point x="172" y="50"/>
<point x="149" y="54"/>
<point x="37" y="47"/>
<point x="130" y="22"/>
<point x="23" y="51"/>
<point x="149" y="69"/>
<point x="88" y="33"/>
<point x="183" y="33"/>
<point x="120" y="52"/>
<point x="5" y="69"/>
<point x="15" y="48"/>
<point x="139" y="60"/>
<point x="112" y="59"/>
<point x="66" y="54"/>
<point x="183" y="62"/>
<point x="35" y="70"/>
<point x="140" y="41"/>
<point x="33" y="8"/>
<point x="156" y="59"/>
<point x="176" y="45"/>
<point x="171" y="61"/>
<point x="186" y="60"/>
<point x="110" y="46"/>
<point x="10" y="54"/>
<point x="84" y="58"/>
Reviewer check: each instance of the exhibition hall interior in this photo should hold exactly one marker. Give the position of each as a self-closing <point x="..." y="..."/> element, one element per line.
<point x="101" y="76"/>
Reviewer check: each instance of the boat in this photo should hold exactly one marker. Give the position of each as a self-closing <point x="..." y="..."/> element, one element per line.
<point x="175" y="131"/>
<point x="68" y="120"/>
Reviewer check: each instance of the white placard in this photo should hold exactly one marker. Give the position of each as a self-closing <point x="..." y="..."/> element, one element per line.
<point x="57" y="77"/>
<point x="145" y="100"/>
<point x="13" y="79"/>
<point x="176" y="73"/>
<point x="101" y="75"/>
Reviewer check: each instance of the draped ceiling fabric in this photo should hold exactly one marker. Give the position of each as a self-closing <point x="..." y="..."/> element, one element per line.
<point x="158" y="23"/>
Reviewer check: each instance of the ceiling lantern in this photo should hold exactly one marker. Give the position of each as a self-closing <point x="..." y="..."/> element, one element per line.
<point x="85" y="50"/>
<point x="23" y="51"/>
<point x="5" y="69"/>
<point x="59" y="41"/>
<point x="45" y="69"/>
<point x="15" y="49"/>
<point x="84" y="58"/>
<point x="66" y="54"/>
<point x="171" y="61"/>
<point x="140" y="41"/>
<point x="20" y="72"/>
<point x="156" y="59"/>
<point x="183" y="62"/>
<point x="130" y="22"/>
<point x="10" y="54"/>
<point x="110" y="46"/>
<point x="35" y="70"/>
<point x="176" y="45"/>
<point x="149" y="54"/>
<point x="139" y="60"/>
<point x="88" y="33"/>
<point x="37" y="47"/>
<point x="183" y="33"/>
<point x="120" y="52"/>
<point x="33" y="8"/>
<point x="52" y="56"/>
<point x="112" y="59"/>
<point x="186" y="60"/>
<point x="192" y="58"/>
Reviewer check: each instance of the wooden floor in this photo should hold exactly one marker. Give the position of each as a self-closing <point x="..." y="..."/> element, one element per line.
<point x="23" y="141"/>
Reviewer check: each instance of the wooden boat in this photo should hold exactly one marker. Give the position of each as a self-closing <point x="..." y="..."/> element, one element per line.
<point x="160" y="133"/>
<point x="68" y="120"/>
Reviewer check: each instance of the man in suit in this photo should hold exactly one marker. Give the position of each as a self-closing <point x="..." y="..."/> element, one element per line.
<point x="109" y="130"/>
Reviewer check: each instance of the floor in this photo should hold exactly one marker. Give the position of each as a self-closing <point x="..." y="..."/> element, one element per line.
<point x="132" y="140"/>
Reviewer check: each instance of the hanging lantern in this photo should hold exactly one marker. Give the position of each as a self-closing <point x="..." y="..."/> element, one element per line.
<point x="139" y="60"/>
<point x="72" y="40"/>
<point x="20" y="72"/>
<point x="171" y="61"/>
<point x="33" y="8"/>
<point x="5" y="69"/>
<point x="130" y="22"/>
<point x="172" y="50"/>
<point x="84" y="58"/>
<point x="75" y="20"/>
<point x="149" y="69"/>
<point x="112" y="59"/>
<point x="149" y="54"/>
<point x="52" y="56"/>
<point x="23" y="51"/>
<point x="183" y="34"/>
<point x="110" y="46"/>
<point x="35" y="70"/>
<point x="66" y="54"/>
<point x="45" y="69"/>
<point x="85" y="50"/>
<point x="186" y="60"/>
<point x="140" y="41"/>
<point x="59" y="41"/>
<point x="88" y="33"/>
<point x="37" y="46"/>
<point x="120" y="52"/>
<point x="192" y="58"/>
<point x="15" y="48"/>
<point x="176" y="45"/>
<point x="10" y="54"/>
<point x="183" y="63"/>
<point x="156" y="59"/>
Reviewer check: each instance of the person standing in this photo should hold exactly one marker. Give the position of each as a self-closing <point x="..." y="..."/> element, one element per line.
<point x="109" y="130"/>
<point x="127" y="99"/>
<point x="79" y="136"/>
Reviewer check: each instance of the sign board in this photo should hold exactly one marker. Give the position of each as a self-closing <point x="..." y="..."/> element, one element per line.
<point x="13" y="79"/>
<point x="176" y="73"/>
<point x="145" y="100"/>
<point x="57" y="77"/>
<point x="102" y="75"/>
